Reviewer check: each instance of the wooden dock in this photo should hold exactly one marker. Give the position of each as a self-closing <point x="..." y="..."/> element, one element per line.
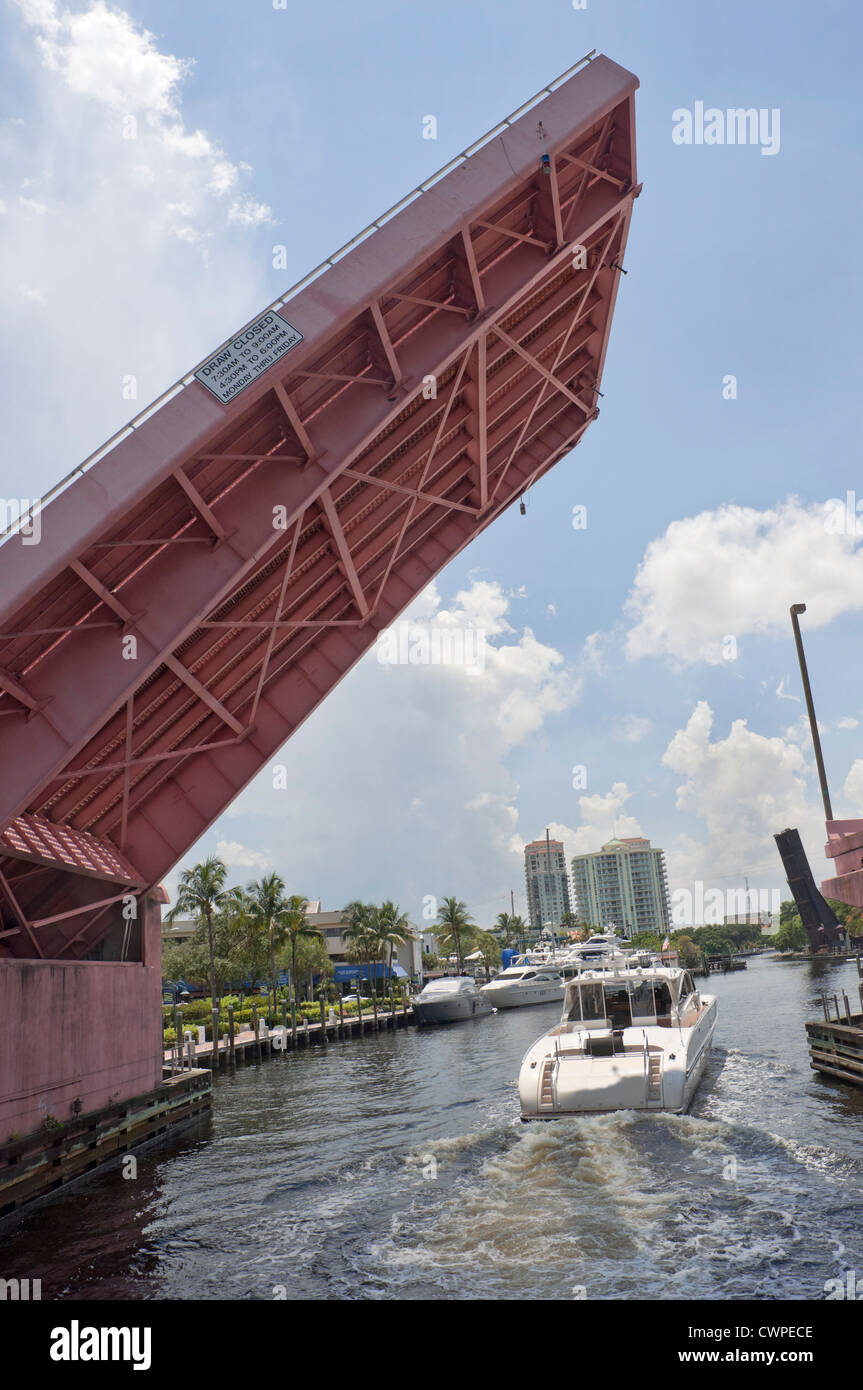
<point x="51" y="1158"/>
<point x="836" y="1041"/>
<point x="246" y="1046"/>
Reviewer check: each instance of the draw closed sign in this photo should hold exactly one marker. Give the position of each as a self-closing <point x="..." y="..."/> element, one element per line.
<point x="240" y="362"/>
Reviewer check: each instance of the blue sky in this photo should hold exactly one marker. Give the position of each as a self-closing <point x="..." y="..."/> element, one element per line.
<point x="259" y="126"/>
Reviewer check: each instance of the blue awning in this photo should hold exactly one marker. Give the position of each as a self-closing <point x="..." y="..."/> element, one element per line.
<point x="376" y="971"/>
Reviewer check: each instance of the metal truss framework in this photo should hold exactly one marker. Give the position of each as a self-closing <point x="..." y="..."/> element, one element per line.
<point x="200" y="591"/>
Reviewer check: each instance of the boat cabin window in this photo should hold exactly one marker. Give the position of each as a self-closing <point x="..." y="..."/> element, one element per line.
<point x="642" y="999"/>
<point x="617" y="1005"/>
<point x="687" y="987"/>
<point x="620" y="1001"/>
<point x="588" y="1004"/>
<point x="662" y="997"/>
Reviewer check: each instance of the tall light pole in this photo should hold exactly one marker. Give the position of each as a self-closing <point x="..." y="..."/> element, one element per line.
<point x="796" y="610"/>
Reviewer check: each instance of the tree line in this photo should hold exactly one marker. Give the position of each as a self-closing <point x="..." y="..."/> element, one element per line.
<point x="241" y="931"/>
<point x="792" y="935"/>
<point x="257" y="930"/>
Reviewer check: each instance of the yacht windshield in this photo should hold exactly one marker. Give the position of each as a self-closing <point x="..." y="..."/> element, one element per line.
<point x="446" y="986"/>
<point x="617" y="1005"/>
<point x="586" y="1003"/>
<point x="618" y="1001"/>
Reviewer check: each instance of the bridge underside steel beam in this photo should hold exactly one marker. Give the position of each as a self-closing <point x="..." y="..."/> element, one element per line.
<point x="199" y="590"/>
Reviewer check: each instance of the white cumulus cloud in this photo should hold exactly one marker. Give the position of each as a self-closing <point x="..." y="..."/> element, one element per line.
<point x="602" y="818"/>
<point x="134" y="232"/>
<point x="743" y="789"/>
<point x="632" y="728"/>
<point x="238" y="856"/>
<point x="735" y="571"/>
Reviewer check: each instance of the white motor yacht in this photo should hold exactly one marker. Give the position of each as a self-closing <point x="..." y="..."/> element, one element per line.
<point x="525" y="984"/>
<point x="628" y="1040"/>
<point x="449" y="1000"/>
<point x="602" y="949"/>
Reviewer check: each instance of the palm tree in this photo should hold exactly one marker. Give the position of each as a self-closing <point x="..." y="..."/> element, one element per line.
<point x="293" y="925"/>
<point x="249" y="943"/>
<point x="489" y="949"/>
<point x="454" y="927"/>
<point x="519" y="927"/>
<point x="202" y="892"/>
<point x="504" y="926"/>
<point x="394" y="927"/>
<point x="569" y="923"/>
<point x="362" y="932"/>
<point x="268" y="912"/>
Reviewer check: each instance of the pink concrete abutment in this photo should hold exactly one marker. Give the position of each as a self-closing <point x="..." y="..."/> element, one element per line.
<point x="76" y="1036"/>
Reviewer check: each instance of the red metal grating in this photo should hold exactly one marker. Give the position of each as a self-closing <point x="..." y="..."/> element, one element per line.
<point x="445" y="364"/>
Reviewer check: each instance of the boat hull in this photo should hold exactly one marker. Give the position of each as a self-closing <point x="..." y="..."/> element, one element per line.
<point x="557" y="1081"/>
<point x="453" y="1010"/>
<point x="511" y="997"/>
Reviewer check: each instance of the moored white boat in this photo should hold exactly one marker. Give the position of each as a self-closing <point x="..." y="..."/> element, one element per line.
<point x="604" y="949"/>
<point x="628" y="1040"/>
<point x="449" y="1000"/>
<point x="525" y="984"/>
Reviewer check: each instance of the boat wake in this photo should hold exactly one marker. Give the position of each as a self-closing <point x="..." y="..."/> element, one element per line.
<point x="621" y="1205"/>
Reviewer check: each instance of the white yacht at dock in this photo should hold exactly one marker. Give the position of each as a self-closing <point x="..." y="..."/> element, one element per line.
<point x="628" y="1039"/>
<point x="525" y="983"/>
<point x="600" y="950"/>
<point x="450" y="999"/>
<point x="539" y="978"/>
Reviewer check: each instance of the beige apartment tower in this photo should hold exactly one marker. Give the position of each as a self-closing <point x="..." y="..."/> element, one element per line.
<point x="622" y="886"/>
<point x="547" y="883"/>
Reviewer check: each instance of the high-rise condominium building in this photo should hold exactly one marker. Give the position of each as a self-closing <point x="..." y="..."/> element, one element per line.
<point x="623" y="885"/>
<point x="547" y="880"/>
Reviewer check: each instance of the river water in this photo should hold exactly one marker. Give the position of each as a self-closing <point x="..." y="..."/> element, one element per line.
<point x="397" y="1167"/>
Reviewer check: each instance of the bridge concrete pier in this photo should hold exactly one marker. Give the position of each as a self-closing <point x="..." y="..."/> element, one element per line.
<point x="77" y="1036"/>
<point x="845" y="847"/>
